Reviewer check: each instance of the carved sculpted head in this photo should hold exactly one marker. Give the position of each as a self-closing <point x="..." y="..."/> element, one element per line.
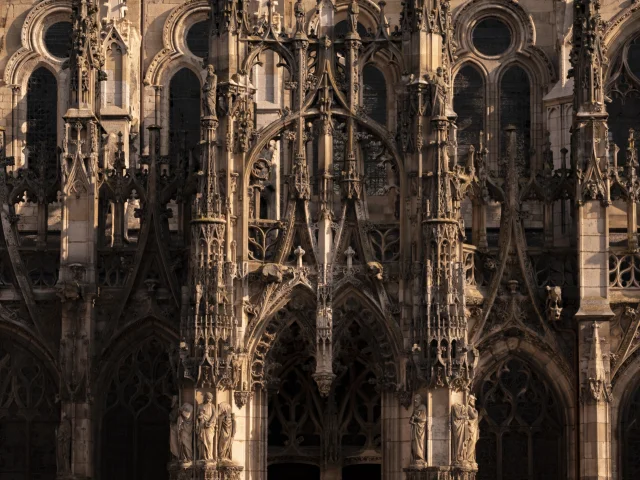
<point x="417" y="400"/>
<point x="186" y="410"/>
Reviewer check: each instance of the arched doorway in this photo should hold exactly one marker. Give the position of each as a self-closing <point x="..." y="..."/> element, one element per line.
<point x="335" y="431"/>
<point x="135" y="423"/>
<point x="293" y="471"/>
<point x="630" y="437"/>
<point x="29" y="415"/>
<point x="521" y="426"/>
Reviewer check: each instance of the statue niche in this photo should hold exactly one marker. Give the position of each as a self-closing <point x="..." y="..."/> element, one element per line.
<point x="464" y="429"/>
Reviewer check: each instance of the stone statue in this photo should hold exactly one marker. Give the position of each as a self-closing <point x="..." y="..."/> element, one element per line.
<point x="439" y="93"/>
<point x="418" y="423"/>
<point x="185" y="433"/>
<point x="209" y="92"/>
<point x="554" y="303"/>
<point x="206" y="428"/>
<point x="63" y="446"/>
<point x="472" y="430"/>
<point x="174" y="439"/>
<point x="464" y="426"/>
<point x="352" y="13"/>
<point x="459" y="419"/>
<point x="226" y="431"/>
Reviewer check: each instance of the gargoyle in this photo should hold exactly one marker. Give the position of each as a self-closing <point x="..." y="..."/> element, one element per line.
<point x="554" y="303"/>
<point x="374" y="269"/>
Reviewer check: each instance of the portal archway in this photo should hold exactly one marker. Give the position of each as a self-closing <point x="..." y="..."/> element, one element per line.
<point x="521" y="425"/>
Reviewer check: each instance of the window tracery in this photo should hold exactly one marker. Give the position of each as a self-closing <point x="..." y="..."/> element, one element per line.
<point x="520" y="424"/>
<point x="137" y="403"/>
<point x="624" y="90"/>
<point x="28" y="415"/>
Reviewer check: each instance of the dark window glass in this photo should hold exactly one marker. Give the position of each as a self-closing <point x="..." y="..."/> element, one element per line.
<point x="184" y="110"/>
<point x="468" y="103"/>
<point x="342" y="27"/>
<point x="515" y="109"/>
<point x="631" y="438"/>
<point x="491" y="36"/>
<point x="633" y="57"/>
<point x="42" y="113"/>
<point x="57" y="39"/>
<point x="374" y="96"/>
<point x="293" y="471"/>
<point x="198" y="39"/>
<point x="521" y="424"/>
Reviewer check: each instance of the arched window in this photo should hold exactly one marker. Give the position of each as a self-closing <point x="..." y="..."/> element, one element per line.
<point x="198" y="39"/>
<point x="42" y="113"/>
<point x="184" y="110"/>
<point x="624" y="90"/>
<point x="468" y="103"/>
<point x="374" y="95"/>
<point x="135" y="425"/>
<point x="29" y="415"/>
<point x="114" y="85"/>
<point x="631" y="438"/>
<point x="515" y="109"/>
<point x="521" y="428"/>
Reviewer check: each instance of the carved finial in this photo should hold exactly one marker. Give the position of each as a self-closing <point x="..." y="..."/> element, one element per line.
<point x="349" y="253"/>
<point x="299" y="253"/>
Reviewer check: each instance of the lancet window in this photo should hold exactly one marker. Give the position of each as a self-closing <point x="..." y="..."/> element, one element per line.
<point x="623" y="88"/>
<point x="515" y="110"/>
<point x="468" y="103"/>
<point x="520" y="424"/>
<point x="42" y="113"/>
<point x="184" y="111"/>
<point x="135" y="424"/>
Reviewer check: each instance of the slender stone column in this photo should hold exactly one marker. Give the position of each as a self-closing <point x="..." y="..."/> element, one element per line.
<point x="591" y="164"/>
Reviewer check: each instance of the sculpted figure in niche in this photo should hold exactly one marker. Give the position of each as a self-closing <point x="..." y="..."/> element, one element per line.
<point x="458" y="429"/>
<point x="226" y="431"/>
<point x="185" y="433"/>
<point x="418" y="423"/>
<point x="209" y="91"/>
<point x="63" y="446"/>
<point x="472" y="431"/>
<point x="174" y="439"/>
<point x="206" y="428"/>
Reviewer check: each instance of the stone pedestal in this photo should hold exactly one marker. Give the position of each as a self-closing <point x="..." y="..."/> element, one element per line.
<point x="440" y="473"/>
<point x="204" y="471"/>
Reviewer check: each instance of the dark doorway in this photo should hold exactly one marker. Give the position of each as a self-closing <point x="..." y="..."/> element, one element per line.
<point x="362" y="472"/>
<point x="293" y="471"/>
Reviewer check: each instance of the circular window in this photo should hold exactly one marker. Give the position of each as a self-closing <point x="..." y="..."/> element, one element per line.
<point x="633" y="57"/>
<point x="491" y="36"/>
<point x="57" y="39"/>
<point x="198" y="39"/>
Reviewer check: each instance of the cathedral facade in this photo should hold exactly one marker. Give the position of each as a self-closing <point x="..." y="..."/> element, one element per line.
<point x="333" y="239"/>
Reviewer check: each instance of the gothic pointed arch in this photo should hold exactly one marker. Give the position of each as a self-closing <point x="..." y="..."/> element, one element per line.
<point x="521" y="423"/>
<point x="136" y="390"/>
<point x="29" y="412"/>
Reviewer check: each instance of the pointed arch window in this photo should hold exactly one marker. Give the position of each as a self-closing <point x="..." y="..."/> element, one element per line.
<point x="42" y="113"/>
<point x="114" y="66"/>
<point x="515" y="109"/>
<point x="374" y="95"/>
<point x="468" y="103"/>
<point x="521" y="423"/>
<point x="624" y="90"/>
<point x="184" y="111"/>
<point x="135" y="425"/>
